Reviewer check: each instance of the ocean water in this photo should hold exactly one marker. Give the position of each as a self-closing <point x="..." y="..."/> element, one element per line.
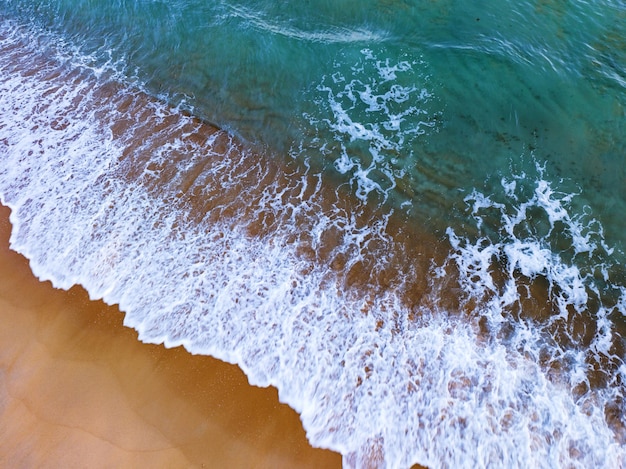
<point x="406" y="216"/>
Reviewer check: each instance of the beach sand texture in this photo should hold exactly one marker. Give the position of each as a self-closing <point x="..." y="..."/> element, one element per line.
<point x="77" y="389"/>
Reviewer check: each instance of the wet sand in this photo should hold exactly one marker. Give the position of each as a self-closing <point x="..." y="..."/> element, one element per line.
<point x="77" y="389"/>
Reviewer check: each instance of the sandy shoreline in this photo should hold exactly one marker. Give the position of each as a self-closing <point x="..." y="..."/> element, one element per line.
<point x="78" y="389"/>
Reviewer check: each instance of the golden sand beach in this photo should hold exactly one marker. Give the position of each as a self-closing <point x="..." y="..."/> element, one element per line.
<point x="77" y="389"/>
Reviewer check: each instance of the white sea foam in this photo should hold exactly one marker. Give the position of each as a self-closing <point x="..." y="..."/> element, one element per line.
<point x="372" y="118"/>
<point x="569" y="254"/>
<point x="330" y="35"/>
<point x="370" y="378"/>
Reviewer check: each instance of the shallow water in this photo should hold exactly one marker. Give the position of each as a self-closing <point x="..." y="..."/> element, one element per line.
<point x="409" y="222"/>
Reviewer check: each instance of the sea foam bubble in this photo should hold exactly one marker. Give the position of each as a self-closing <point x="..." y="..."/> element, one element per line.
<point x="373" y="116"/>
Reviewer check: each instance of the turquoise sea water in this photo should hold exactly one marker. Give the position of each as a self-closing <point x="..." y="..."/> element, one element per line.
<point x="417" y="208"/>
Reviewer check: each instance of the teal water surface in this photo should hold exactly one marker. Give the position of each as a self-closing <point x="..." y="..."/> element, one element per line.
<point x="540" y="78"/>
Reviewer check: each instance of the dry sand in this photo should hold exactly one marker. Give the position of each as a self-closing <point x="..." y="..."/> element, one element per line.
<point x="77" y="389"/>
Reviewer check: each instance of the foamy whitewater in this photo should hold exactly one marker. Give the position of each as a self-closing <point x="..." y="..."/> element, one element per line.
<point x="497" y="345"/>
